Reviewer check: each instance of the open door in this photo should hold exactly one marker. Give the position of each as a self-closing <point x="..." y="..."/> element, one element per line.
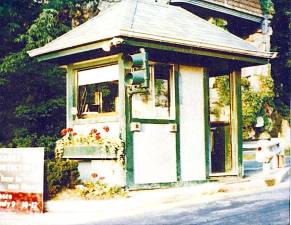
<point x="220" y="102"/>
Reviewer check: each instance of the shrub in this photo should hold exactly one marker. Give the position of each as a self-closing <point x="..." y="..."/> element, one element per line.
<point x="60" y="174"/>
<point x="99" y="190"/>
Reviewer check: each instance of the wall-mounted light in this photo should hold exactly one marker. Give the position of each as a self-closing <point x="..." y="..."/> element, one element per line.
<point x="113" y="42"/>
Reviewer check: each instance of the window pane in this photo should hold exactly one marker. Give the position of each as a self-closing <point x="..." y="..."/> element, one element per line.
<point x="96" y="94"/>
<point x="156" y="103"/>
<point x="162" y="95"/>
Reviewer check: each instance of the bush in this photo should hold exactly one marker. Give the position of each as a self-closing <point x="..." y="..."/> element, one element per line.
<point x="99" y="190"/>
<point x="60" y="174"/>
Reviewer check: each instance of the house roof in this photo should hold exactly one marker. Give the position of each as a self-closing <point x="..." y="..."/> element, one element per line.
<point x="151" y="21"/>
<point x="248" y="6"/>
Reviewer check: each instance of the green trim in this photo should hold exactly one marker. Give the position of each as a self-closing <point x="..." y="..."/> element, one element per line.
<point x="129" y="141"/>
<point x="177" y="113"/>
<point x="95" y="63"/>
<point x="150" y="186"/>
<point x="239" y="124"/>
<point x="70" y="98"/>
<point x="206" y="122"/>
<point x="228" y="152"/>
<point x="191" y="50"/>
<point x="71" y="51"/>
<point x="122" y="96"/>
<point x="221" y="9"/>
<point x="153" y="121"/>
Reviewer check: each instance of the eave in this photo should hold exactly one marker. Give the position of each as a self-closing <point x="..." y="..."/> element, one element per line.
<point x="137" y="43"/>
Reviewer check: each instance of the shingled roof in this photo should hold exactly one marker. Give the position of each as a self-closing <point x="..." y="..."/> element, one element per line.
<point x="151" y="21"/>
<point x="248" y="6"/>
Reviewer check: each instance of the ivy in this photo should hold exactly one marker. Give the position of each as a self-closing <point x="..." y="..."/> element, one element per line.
<point x="267" y="7"/>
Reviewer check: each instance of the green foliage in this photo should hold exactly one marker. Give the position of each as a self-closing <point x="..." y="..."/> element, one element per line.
<point x="254" y="103"/>
<point x="45" y="28"/>
<point x="15" y="17"/>
<point x="257" y="103"/>
<point x="267" y="6"/>
<point x="223" y="89"/>
<point x="281" y="66"/>
<point x="60" y="174"/>
<point x="32" y="93"/>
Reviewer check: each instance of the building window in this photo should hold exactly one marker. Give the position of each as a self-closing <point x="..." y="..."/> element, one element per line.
<point x="159" y="101"/>
<point x="97" y="92"/>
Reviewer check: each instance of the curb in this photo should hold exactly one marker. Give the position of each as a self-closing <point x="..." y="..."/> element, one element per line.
<point x="278" y="176"/>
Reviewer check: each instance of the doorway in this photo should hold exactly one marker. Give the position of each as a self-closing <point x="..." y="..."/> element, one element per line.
<point x="220" y="105"/>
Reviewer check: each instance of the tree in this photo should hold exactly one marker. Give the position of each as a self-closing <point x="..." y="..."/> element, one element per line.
<point x="32" y="94"/>
<point x="281" y="66"/>
<point x="15" y="17"/>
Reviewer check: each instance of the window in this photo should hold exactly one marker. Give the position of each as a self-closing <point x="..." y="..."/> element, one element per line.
<point x="159" y="102"/>
<point x="97" y="92"/>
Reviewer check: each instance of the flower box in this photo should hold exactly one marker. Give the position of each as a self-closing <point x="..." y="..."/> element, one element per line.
<point x="87" y="152"/>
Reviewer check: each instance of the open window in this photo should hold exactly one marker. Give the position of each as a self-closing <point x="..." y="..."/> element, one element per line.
<point x="97" y="92"/>
<point x="159" y="101"/>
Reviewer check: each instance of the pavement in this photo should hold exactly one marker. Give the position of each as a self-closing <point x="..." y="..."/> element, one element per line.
<point x="145" y="201"/>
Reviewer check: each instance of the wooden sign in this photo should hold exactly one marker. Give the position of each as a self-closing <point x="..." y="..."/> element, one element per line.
<point x="21" y="179"/>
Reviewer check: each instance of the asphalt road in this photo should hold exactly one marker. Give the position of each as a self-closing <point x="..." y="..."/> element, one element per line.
<point x="264" y="208"/>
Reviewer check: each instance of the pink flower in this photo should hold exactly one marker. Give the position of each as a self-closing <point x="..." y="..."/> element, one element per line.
<point x="75" y="133"/>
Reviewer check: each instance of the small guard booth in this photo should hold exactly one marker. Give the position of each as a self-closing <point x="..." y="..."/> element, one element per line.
<point x="149" y="72"/>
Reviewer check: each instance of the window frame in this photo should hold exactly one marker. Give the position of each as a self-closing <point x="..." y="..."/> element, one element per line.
<point x="95" y="116"/>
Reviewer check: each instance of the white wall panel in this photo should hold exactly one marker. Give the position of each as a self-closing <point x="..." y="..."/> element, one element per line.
<point x="154" y="154"/>
<point x="192" y="141"/>
<point x="86" y="128"/>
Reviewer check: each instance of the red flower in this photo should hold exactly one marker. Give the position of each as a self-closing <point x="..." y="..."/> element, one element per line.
<point x="106" y="128"/>
<point x="98" y="137"/>
<point x="70" y="129"/>
<point x="63" y="132"/>
<point x="93" y="131"/>
<point x="75" y="133"/>
<point x="94" y="175"/>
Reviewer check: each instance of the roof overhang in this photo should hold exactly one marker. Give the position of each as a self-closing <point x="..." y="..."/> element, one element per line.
<point x="107" y="45"/>
<point x="221" y="9"/>
<point x="149" y="25"/>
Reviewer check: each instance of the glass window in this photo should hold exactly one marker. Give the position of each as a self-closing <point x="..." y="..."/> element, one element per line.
<point x="158" y="103"/>
<point x="97" y="92"/>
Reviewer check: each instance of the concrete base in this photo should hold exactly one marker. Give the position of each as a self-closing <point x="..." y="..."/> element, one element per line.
<point x="111" y="170"/>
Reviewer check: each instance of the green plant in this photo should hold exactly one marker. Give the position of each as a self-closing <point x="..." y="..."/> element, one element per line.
<point x="60" y="174"/>
<point x="97" y="189"/>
